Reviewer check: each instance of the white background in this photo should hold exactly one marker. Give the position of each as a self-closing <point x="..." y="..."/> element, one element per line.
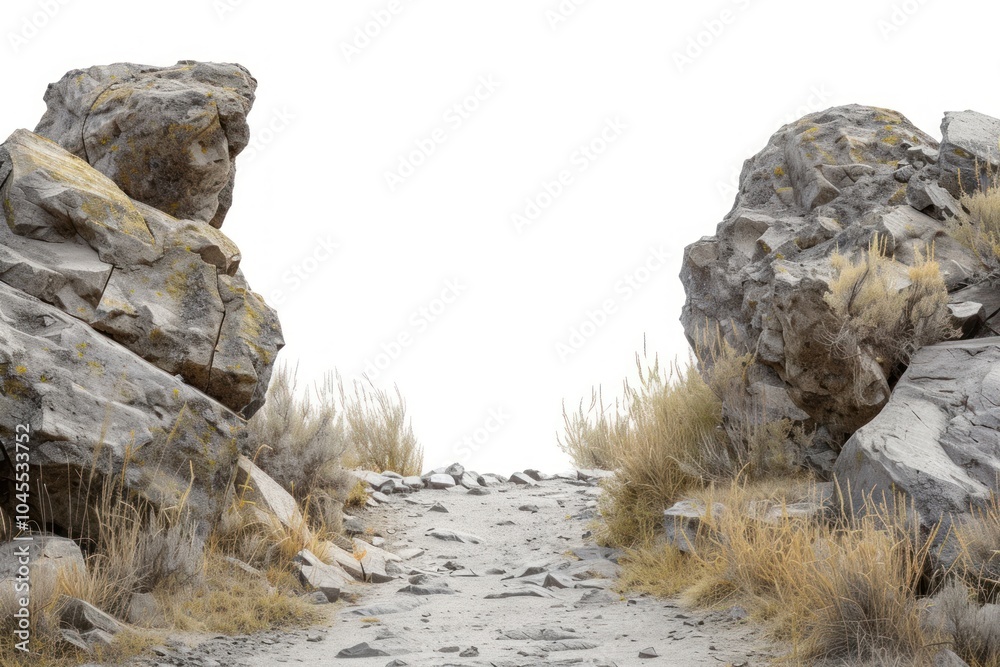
<point x="329" y="124"/>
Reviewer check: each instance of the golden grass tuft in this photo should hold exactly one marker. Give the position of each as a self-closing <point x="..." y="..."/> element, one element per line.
<point x="380" y="435"/>
<point x="977" y="227"/>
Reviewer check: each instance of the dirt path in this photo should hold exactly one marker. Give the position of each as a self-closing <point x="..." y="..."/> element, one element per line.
<point x="464" y="603"/>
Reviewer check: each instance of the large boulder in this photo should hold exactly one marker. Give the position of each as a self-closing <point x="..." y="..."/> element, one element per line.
<point x="936" y="440"/>
<point x="970" y="151"/>
<point x="131" y="344"/>
<point x="169" y="290"/>
<point x="94" y="409"/>
<point x="826" y="183"/>
<point x="168" y="136"/>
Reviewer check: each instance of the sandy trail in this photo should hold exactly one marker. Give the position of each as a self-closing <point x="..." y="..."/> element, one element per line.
<point x="567" y="613"/>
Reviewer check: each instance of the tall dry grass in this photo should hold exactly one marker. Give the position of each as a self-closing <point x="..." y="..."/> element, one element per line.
<point x="379" y="432"/>
<point x="677" y="430"/>
<point x="886" y="308"/>
<point x="299" y="440"/>
<point x="977" y="227"/>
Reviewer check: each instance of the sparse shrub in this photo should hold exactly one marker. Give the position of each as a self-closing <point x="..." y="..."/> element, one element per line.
<point x="673" y="435"/>
<point x="591" y="437"/>
<point x="973" y="628"/>
<point x="300" y="441"/>
<point x="879" y="313"/>
<point x="977" y="227"/>
<point x="379" y="434"/>
<point x="835" y="590"/>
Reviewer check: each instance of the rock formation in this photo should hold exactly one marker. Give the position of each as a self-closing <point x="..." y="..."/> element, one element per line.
<point x="128" y="335"/>
<point x="829" y="183"/>
<point x="826" y="183"/>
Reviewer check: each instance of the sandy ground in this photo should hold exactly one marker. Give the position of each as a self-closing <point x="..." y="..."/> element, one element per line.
<point x="566" y="613"/>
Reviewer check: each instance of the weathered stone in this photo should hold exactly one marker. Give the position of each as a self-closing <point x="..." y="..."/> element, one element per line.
<point x="327" y="579"/>
<point x="936" y="439"/>
<point x="84" y="617"/>
<point x="53" y="196"/>
<point x="823" y="184"/>
<point x="169" y="290"/>
<point x="440" y="481"/>
<point x="683" y="522"/>
<point x="970" y="151"/>
<point x="50" y="559"/>
<point x="167" y="136"/>
<point x="413" y="482"/>
<point x="267" y="497"/>
<point x="82" y="393"/>
<point x="521" y="479"/>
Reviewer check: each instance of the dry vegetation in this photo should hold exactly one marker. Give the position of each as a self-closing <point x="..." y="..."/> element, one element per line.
<point x="978" y="227"/>
<point x="838" y="589"/>
<point x="886" y="308"/>
<point x="305" y="442"/>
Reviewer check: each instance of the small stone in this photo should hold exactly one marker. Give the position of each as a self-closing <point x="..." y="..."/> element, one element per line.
<point x="649" y="653"/>
<point x="471" y="652"/>
<point x="438" y="507"/>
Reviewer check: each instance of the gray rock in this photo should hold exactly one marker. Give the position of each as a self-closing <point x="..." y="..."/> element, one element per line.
<point x="469" y="480"/>
<point x="538" y="634"/>
<point x="353" y="525"/>
<point x="167" y="136"/>
<point x="529" y="508"/>
<point x="490" y="480"/>
<point x="440" y="481"/>
<point x="969" y="154"/>
<point x="268" y="498"/>
<point x="456" y="470"/>
<point x="415" y="589"/>
<point x="936" y="439"/>
<point x="535" y="475"/>
<point x="144" y="611"/>
<point x="314" y="573"/>
<point x="823" y="183"/>
<point x="521" y="479"/>
<point x="166" y="289"/>
<point x="375" y="481"/>
<point x="413" y="482"/>
<point x="519" y="593"/>
<point x="84" y="617"/>
<point x="362" y="650"/>
<point x="453" y="536"/>
<point x="948" y="658"/>
<point x="50" y="558"/>
<point x="479" y="491"/>
<point x="84" y="393"/>
<point x="438" y="507"/>
<point x="649" y="653"/>
<point x="379" y="497"/>
<point x="471" y="652"/>
<point x="683" y="522"/>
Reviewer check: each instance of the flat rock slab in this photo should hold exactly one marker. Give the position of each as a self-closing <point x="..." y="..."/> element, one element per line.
<point x="453" y="536"/>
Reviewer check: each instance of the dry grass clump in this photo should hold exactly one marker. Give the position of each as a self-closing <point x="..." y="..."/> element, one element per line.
<point x="591" y="437"/>
<point x="977" y="227"/>
<point x="678" y="430"/>
<point x="835" y="590"/>
<point x="880" y="313"/>
<point x="379" y="434"/>
<point x="300" y="442"/>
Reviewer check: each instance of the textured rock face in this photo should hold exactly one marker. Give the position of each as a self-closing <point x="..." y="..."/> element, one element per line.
<point x="169" y="290"/>
<point x="82" y="393"/>
<point x="826" y="182"/>
<point x="130" y="342"/>
<point x="936" y="440"/>
<point x="168" y="136"/>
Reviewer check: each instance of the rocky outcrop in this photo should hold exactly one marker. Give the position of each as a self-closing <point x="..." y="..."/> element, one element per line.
<point x="826" y="183"/>
<point x="130" y="342"/>
<point x="168" y="136"/>
<point x="936" y="440"/>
